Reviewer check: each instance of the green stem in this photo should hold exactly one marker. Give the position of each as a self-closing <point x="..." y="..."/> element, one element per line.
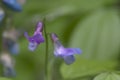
<point x="46" y="52"/>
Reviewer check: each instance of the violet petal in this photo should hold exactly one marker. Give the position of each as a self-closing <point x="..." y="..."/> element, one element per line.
<point x="39" y="27"/>
<point x="54" y="37"/>
<point x="69" y="59"/>
<point x="38" y="38"/>
<point x="32" y="46"/>
<point x="26" y="35"/>
<point x="73" y="50"/>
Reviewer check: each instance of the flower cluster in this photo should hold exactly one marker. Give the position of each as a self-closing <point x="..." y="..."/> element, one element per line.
<point x="9" y="36"/>
<point x="10" y="47"/>
<point x="59" y="50"/>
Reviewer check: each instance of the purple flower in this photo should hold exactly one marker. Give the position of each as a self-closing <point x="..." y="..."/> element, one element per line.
<point x="61" y="51"/>
<point x="37" y="37"/>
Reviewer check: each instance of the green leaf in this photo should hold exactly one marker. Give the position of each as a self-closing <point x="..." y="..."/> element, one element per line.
<point x="107" y="76"/>
<point x="83" y="67"/>
<point x="99" y="39"/>
<point x="98" y="35"/>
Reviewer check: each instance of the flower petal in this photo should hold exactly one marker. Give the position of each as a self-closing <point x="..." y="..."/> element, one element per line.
<point x="26" y="35"/>
<point x="54" y="37"/>
<point x="39" y="27"/>
<point x="38" y="38"/>
<point x="73" y="50"/>
<point x="69" y="59"/>
<point x="32" y="46"/>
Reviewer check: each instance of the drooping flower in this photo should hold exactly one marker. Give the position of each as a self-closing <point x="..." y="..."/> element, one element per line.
<point x="13" y="4"/>
<point x="66" y="53"/>
<point x="37" y="37"/>
<point x="8" y="65"/>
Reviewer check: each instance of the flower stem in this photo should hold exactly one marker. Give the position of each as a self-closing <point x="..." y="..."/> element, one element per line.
<point x="46" y="52"/>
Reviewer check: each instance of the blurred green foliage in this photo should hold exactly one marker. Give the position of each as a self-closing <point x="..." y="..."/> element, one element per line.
<point x="5" y="79"/>
<point x="108" y="76"/>
<point x="92" y="25"/>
